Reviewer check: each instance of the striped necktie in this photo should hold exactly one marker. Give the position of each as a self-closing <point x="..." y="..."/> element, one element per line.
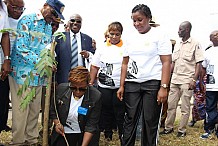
<point x="74" y="52"/>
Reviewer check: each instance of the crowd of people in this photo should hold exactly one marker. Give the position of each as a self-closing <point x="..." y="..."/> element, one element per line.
<point x="116" y="84"/>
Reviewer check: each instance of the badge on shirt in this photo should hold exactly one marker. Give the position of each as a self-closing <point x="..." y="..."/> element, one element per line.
<point x="82" y="110"/>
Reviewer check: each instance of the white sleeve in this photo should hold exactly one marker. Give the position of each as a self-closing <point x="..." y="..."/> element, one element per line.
<point x="96" y="58"/>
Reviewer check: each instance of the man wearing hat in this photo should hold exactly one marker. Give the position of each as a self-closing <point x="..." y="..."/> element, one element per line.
<point x="25" y="54"/>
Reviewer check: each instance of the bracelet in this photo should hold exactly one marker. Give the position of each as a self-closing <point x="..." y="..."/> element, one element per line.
<point x="194" y="80"/>
<point x="91" y="84"/>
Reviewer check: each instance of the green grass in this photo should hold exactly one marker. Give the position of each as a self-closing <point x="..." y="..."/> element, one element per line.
<point x="191" y="139"/>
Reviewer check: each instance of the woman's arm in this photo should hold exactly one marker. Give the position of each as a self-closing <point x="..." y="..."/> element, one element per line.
<point x="122" y="77"/>
<point x="87" y="138"/>
<point x="165" y="78"/>
<point x="93" y="74"/>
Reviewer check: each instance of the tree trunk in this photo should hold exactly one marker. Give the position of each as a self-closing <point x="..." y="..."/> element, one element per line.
<point x="47" y="104"/>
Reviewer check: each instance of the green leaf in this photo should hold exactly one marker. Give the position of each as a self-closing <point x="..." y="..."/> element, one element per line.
<point x="39" y="69"/>
<point x="42" y="73"/>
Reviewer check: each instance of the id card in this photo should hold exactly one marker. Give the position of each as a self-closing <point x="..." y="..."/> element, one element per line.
<point x="82" y="110"/>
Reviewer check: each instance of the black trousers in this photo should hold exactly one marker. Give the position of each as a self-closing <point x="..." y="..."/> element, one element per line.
<point x="75" y="139"/>
<point x="112" y="109"/>
<point x="4" y="103"/>
<point x="141" y="98"/>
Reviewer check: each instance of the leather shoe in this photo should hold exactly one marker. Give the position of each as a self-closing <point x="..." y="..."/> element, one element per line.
<point x="191" y="123"/>
<point x="166" y="131"/>
<point x="7" y="128"/>
<point x="181" y="134"/>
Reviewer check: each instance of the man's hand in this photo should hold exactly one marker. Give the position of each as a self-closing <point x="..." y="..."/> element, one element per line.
<point x="6" y="69"/>
<point x="192" y="85"/>
<point x="85" y="54"/>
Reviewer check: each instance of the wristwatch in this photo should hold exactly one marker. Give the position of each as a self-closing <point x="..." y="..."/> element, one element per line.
<point x="7" y="58"/>
<point x="165" y="86"/>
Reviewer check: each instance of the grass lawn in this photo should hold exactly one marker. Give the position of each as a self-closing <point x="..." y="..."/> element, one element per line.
<point x="191" y="139"/>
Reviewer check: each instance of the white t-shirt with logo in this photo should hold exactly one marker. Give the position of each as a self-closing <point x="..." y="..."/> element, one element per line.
<point x="211" y="65"/>
<point x="144" y="52"/>
<point x="109" y="59"/>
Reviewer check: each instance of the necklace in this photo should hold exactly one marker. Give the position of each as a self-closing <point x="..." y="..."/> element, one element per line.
<point x="76" y="98"/>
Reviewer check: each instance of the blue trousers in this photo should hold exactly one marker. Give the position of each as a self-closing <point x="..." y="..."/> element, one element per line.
<point x="211" y="111"/>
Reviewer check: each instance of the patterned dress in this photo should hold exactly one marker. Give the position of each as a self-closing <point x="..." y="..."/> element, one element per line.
<point x="199" y="108"/>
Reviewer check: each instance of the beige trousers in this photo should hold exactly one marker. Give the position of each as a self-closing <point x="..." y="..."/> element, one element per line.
<point x="24" y="122"/>
<point x="177" y="92"/>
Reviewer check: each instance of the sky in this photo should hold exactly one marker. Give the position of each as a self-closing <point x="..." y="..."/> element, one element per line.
<point x="97" y="14"/>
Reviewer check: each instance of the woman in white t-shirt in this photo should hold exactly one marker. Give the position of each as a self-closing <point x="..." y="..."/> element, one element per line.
<point x="106" y="64"/>
<point x="145" y="76"/>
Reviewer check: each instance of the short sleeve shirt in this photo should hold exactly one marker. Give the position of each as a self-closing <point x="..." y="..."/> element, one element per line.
<point x="109" y="58"/>
<point x="185" y="56"/>
<point x="211" y="64"/>
<point x="144" y="51"/>
<point x="34" y="34"/>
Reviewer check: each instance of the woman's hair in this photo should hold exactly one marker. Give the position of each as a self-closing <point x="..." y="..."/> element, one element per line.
<point x="144" y="9"/>
<point x="79" y="74"/>
<point x="115" y="26"/>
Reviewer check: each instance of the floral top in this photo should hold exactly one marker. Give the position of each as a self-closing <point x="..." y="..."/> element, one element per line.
<point x="34" y="34"/>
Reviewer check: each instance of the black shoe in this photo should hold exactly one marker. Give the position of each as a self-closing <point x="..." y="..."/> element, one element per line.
<point x="166" y="131"/>
<point x="7" y="128"/>
<point x="191" y="123"/>
<point x="180" y="134"/>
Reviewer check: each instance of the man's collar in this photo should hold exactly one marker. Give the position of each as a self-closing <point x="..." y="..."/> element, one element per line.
<point x="39" y="15"/>
<point x="187" y="41"/>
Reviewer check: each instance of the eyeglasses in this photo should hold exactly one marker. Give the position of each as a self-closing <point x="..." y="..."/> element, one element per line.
<point x="74" y="20"/>
<point x="74" y="89"/>
<point x="16" y="8"/>
<point x="54" y="13"/>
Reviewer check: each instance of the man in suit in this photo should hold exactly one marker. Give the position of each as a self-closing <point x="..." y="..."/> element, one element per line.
<point x="64" y="49"/>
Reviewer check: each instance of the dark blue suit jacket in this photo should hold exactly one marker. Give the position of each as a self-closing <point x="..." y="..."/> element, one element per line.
<point x="63" y="52"/>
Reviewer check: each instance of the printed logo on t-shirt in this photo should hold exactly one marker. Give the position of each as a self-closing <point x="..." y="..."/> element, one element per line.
<point x="132" y="70"/>
<point x="210" y="77"/>
<point x="104" y="75"/>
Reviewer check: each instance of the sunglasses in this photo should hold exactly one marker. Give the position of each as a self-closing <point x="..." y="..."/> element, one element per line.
<point x="74" y="20"/>
<point x="16" y="8"/>
<point x="74" y="89"/>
